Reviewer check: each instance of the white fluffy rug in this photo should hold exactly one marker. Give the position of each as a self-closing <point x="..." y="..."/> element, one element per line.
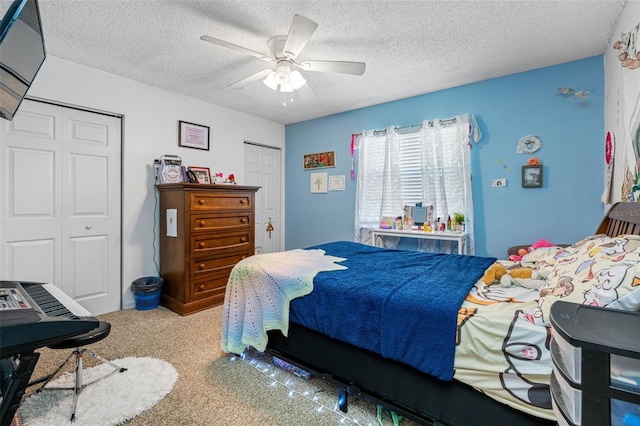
<point x="110" y="401"/>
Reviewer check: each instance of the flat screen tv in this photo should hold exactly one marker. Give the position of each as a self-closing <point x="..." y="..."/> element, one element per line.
<point x="21" y="53"/>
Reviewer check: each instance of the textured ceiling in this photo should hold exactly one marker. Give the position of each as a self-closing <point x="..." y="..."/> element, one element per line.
<point x="410" y="47"/>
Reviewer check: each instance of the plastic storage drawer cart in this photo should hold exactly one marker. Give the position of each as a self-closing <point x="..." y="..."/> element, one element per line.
<point x="596" y="365"/>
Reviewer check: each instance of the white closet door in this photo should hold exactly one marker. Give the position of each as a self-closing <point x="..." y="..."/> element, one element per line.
<point x="91" y="210"/>
<point x="72" y="187"/>
<point x="262" y="168"/>
<point x="32" y="194"/>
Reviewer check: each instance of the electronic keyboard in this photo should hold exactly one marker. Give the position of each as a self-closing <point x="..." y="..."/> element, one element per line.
<point x="33" y="315"/>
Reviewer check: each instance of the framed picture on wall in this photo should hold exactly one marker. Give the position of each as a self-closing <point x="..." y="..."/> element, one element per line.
<point x="318" y="183"/>
<point x="319" y="160"/>
<point x="531" y="176"/>
<point x="203" y="174"/>
<point x="192" y="135"/>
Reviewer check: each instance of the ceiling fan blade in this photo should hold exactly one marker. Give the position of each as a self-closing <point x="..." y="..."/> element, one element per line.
<point x="251" y="79"/>
<point x="341" y="67"/>
<point x="299" y="34"/>
<point x="235" y="47"/>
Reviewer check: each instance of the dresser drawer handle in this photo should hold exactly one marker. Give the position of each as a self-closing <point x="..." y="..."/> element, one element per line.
<point x="243" y="220"/>
<point x="201" y="287"/>
<point x="201" y="201"/>
<point x="202" y="245"/>
<point x="243" y="239"/>
<point x="202" y="265"/>
<point x="244" y="256"/>
<point x="203" y="223"/>
<point x="243" y="201"/>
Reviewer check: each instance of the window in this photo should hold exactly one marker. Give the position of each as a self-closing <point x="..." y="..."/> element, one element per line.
<point x="397" y="169"/>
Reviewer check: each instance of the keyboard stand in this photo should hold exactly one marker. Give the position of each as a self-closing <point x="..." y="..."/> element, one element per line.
<point x="15" y="373"/>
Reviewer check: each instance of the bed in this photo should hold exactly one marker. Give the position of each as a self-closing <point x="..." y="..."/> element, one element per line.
<point x="496" y="365"/>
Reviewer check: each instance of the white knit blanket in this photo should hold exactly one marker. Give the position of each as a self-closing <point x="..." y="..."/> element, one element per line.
<point x="259" y="290"/>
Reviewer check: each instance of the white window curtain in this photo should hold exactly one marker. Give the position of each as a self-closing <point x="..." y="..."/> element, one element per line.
<point x="378" y="184"/>
<point x="387" y="171"/>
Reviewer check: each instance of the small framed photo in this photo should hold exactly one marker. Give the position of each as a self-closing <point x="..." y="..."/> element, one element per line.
<point x="336" y="183"/>
<point x="192" y="135"/>
<point x="318" y="183"/>
<point x="531" y="176"/>
<point x="203" y="174"/>
<point x="319" y="160"/>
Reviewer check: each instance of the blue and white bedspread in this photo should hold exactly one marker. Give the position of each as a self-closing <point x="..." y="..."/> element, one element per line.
<point x="259" y="291"/>
<point x="400" y="304"/>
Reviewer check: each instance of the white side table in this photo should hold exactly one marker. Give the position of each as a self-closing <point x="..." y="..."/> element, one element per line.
<point x="459" y="237"/>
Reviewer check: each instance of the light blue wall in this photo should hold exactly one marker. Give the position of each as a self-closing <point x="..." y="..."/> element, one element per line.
<point x="564" y="210"/>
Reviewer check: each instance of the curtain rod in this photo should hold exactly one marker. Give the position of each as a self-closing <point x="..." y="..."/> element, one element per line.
<point x="412" y="126"/>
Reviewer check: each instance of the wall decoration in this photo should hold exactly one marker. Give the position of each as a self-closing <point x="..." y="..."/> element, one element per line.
<point x="528" y="145"/>
<point x="532" y="176"/>
<point x="609" y="149"/>
<point x="318" y="183"/>
<point x="504" y="165"/>
<point x="192" y="135"/>
<point x="569" y="92"/>
<point x="203" y="174"/>
<point x="629" y="55"/>
<point x="319" y="160"/>
<point x="336" y="183"/>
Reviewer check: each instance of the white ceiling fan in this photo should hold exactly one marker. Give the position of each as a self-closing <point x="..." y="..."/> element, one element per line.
<point x="284" y="74"/>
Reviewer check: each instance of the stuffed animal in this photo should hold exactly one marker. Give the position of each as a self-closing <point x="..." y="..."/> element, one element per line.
<point x="524" y="277"/>
<point x="522" y="252"/>
<point x="493" y="273"/>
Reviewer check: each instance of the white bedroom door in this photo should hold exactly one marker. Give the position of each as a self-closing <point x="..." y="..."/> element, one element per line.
<point x="262" y="168"/>
<point x="60" y="217"/>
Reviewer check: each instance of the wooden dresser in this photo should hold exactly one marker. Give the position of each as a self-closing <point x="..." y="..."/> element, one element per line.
<point x="214" y="229"/>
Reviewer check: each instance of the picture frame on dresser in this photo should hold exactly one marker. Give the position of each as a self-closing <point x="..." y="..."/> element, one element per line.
<point x="203" y="174"/>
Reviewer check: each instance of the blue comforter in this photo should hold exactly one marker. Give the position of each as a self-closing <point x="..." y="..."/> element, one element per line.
<point x="400" y="304"/>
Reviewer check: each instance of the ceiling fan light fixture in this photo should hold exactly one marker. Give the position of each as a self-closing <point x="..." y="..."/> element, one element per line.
<point x="297" y="80"/>
<point x="283" y="79"/>
<point x="270" y="81"/>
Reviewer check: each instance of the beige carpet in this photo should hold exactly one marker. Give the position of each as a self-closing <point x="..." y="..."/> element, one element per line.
<point x="214" y="388"/>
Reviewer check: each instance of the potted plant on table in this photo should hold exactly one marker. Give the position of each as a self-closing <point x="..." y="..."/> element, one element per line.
<point x="459" y="218"/>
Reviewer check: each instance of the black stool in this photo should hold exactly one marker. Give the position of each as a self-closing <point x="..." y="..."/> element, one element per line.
<point x="78" y="342"/>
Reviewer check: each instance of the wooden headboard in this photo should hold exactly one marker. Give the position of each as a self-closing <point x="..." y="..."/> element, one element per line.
<point x="622" y="218"/>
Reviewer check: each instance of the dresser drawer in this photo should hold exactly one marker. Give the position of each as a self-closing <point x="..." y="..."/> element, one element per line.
<point x="202" y="266"/>
<point x="220" y="222"/>
<point x="213" y="243"/>
<point x="212" y="285"/>
<point x="204" y="201"/>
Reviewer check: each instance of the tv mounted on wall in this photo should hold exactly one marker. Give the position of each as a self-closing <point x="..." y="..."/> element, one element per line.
<point x="22" y="53"/>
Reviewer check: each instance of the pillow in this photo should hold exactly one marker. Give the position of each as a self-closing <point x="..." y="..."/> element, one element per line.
<point x="598" y="271"/>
